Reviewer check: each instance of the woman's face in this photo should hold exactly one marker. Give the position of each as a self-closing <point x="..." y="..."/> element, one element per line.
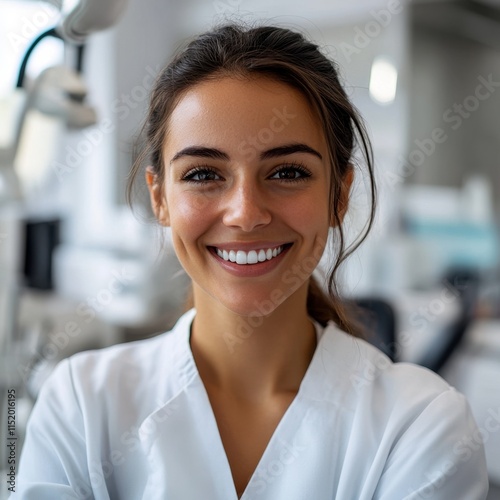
<point x="247" y="178"/>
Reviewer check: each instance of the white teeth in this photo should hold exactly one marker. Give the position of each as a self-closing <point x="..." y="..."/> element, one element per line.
<point x="252" y="257"/>
<point x="241" y="257"/>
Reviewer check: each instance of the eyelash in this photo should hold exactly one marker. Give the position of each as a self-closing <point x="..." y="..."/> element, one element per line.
<point x="198" y="169"/>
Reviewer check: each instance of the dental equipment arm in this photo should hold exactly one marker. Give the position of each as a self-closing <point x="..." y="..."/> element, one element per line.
<point x="81" y="18"/>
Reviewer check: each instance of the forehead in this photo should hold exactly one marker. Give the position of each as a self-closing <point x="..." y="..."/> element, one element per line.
<point x="257" y="111"/>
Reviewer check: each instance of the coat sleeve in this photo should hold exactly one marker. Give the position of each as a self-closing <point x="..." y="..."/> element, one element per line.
<point x="440" y="455"/>
<point x="53" y="461"/>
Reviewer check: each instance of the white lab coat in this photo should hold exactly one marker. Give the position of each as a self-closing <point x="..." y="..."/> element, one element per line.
<point x="134" y="421"/>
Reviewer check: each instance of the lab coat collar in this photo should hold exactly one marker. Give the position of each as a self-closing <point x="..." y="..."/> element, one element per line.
<point x="181" y="438"/>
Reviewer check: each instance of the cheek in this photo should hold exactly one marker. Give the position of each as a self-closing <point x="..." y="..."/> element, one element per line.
<point x="309" y="215"/>
<point x="190" y="215"/>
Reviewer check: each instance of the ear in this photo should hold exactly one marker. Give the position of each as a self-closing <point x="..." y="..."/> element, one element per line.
<point x="344" y="194"/>
<point x="157" y="195"/>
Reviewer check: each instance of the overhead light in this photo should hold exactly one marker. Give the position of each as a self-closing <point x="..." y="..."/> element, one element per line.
<point x="383" y="81"/>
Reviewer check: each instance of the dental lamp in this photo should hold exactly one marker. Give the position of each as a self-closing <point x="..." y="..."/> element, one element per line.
<point x="81" y="18"/>
<point x="34" y="118"/>
<point x="57" y="95"/>
<point x="58" y="92"/>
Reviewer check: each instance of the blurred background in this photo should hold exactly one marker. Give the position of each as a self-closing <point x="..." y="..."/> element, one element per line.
<point x="78" y="270"/>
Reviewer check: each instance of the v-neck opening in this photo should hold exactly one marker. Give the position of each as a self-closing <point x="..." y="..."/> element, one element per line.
<point x="287" y="415"/>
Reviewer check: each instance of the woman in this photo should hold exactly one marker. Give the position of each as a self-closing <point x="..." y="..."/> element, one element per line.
<point x="261" y="390"/>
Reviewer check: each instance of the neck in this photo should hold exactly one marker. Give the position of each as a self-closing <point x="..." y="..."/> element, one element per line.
<point x="254" y="357"/>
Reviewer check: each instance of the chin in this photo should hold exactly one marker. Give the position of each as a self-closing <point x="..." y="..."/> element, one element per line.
<point x="256" y="306"/>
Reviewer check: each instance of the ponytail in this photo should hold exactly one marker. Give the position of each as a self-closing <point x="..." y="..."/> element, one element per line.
<point x="323" y="309"/>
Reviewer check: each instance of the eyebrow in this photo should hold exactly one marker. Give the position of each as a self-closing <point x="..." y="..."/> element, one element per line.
<point x="217" y="154"/>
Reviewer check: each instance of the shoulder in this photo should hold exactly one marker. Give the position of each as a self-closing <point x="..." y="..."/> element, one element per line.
<point x="418" y="430"/>
<point x="105" y="365"/>
<point x="111" y="376"/>
<point x="368" y="375"/>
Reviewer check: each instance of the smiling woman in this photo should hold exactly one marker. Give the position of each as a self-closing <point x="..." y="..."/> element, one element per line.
<point x="297" y="93"/>
<point x="261" y="390"/>
<point x="215" y="199"/>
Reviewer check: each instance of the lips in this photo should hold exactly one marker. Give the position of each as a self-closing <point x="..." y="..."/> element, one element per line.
<point x="242" y="266"/>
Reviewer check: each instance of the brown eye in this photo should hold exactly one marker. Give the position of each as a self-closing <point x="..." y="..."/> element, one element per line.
<point x="292" y="173"/>
<point x="287" y="174"/>
<point x="201" y="175"/>
<point x="204" y="176"/>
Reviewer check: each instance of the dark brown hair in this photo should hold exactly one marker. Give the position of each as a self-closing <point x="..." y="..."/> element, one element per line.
<point x="286" y="56"/>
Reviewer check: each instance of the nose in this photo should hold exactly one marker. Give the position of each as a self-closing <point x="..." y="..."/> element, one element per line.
<point x="246" y="207"/>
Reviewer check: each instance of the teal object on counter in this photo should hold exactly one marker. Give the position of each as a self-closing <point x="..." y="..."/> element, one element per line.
<point x="458" y="244"/>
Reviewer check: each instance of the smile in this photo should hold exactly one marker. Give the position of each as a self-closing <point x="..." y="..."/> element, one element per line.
<point x="250" y="263"/>
<point x="241" y="257"/>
